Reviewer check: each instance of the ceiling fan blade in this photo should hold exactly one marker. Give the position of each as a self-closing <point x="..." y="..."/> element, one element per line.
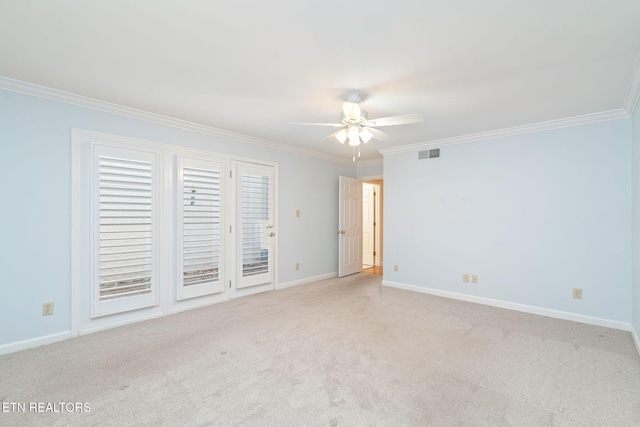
<point x="396" y="120"/>
<point x="378" y="134"/>
<point x="335" y="125"/>
<point x="351" y="110"/>
<point x="333" y="135"/>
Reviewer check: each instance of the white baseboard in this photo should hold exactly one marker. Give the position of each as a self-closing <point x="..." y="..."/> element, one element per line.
<point x="306" y="280"/>
<point x="195" y="303"/>
<point x="636" y="340"/>
<point x="92" y="328"/>
<point x="514" y="306"/>
<point x="34" y="342"/>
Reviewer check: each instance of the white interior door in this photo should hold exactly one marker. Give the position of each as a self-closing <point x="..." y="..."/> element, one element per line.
<point x="377" y="225"/>
<point x="256" y="229"/>
<point x="350" y="223"/>
<point x="368" y="227"/>
<point x="368" y="224"/>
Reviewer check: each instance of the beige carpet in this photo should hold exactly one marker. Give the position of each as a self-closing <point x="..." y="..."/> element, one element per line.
<point x="340" y="352"/>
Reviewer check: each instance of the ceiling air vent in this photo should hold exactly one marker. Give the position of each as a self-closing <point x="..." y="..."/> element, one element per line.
<point x="429" y="154"/>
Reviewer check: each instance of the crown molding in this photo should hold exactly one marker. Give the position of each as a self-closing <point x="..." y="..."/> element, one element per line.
<point x="633" y="94"/>
<point x="57" y="95"/>
<point x="371" y="162"/>
<point x="616" y="114"/>
<point x="108" y="107"/>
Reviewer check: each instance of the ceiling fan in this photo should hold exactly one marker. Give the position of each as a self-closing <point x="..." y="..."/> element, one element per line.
<point x="356" y="126"/>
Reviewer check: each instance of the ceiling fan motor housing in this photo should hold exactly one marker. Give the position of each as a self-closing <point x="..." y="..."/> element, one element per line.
<point x="361" y="120"/>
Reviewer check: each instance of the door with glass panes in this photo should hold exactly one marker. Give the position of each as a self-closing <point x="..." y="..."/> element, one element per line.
<point x="255" y="227"/>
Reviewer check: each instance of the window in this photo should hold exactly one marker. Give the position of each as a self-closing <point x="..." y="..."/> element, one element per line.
<point x="200" y="199"/>
<point x="124" y="215"/>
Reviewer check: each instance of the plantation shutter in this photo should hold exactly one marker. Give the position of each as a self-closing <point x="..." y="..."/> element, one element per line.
<point x="257" y="231"/>
<point x="200" y="200"/>
<point x="255" y="209"/>
<point x="124" y="209"/>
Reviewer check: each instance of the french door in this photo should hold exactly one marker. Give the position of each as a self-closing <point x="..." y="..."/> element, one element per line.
<point x="255" y="225"/>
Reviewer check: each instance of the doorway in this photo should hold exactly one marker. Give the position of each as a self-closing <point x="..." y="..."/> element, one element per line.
<point x="357" y="251"/>
<point x="372" y="235"/>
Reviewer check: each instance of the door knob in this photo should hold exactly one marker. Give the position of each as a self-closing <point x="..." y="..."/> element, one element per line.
<point x="272" y="234"/>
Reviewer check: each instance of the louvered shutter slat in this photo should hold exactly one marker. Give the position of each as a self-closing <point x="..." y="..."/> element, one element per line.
<point x="125" y="216"/>
<point x="255" y="210"/>
<point x="202" y="216"/>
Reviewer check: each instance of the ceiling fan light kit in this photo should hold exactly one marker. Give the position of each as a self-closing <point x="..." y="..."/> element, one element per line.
<point x="357" y="128"/>
<point x="365" y="135"/>
<point x="342" y="135"/>
<point x="354" y="135"/>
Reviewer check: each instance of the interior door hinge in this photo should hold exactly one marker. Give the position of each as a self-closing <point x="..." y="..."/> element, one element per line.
<point x="374" y="253"/>
<point x="229" y="284"/>
<point x="230" y="174"/>
<point x="229" y="229"/>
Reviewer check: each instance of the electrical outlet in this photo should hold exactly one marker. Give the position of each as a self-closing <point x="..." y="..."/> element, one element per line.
<point x="465" y="278"/>
<point x="47" y="308"/>
<point x="297" y="266"/>
<point x="474" y="279"/>
<point x="577" y="293"/>
<point x="395" y="268"/>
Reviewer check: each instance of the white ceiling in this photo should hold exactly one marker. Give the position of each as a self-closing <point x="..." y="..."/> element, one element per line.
<point x="251" y="66"/>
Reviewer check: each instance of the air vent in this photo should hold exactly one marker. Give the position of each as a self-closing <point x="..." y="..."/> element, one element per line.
<point x="429" y="154"/>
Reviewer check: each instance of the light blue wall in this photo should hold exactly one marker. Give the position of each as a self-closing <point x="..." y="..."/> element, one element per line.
<point x="35" y="186"/>
<point x="368" y="171"/>
<point x="533" y="216"/>
<point x="635" y="297"/>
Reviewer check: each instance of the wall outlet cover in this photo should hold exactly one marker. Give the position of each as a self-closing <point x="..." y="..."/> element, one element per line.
<point x="47" y="309"/>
